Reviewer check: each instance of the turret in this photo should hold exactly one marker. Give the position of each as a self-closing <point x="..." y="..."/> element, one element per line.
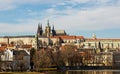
<point x="48" y="24"/>
<point x="53" y="31"/>
<point x="94" y="36"/>
<point x="48" y="29"/>
<point x="39" y="30"/>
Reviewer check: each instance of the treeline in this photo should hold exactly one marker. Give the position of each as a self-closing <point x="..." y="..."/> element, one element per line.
<point x="65" y="56"/>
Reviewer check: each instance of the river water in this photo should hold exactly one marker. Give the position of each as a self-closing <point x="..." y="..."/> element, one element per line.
<point x="85" y="72"/>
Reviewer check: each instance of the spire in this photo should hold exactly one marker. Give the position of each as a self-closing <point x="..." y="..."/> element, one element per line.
<point x="53" y="27"/>
<point x="94" y="36"/>
<point x="39" y="30"/>
<point x="41" y="26"/>
<point x="53" y="31"/>
<point x="48" y="24"/>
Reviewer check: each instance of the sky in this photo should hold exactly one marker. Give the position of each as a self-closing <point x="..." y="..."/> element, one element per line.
<point x="77" y="17"/>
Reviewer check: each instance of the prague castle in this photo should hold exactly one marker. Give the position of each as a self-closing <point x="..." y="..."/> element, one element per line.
<point x="51" y="36"/>
<point x="44" y="37"/>
<point x="94" y="51"/>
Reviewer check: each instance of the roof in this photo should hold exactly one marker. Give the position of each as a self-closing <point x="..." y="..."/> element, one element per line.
<point x="99" y="39"/>
<point x="69" y="37"/>
<point x="26" y="46"/>
<point x="2" y="48"/>
<point x="2" y="43"/>
<point x="82" y="53"/>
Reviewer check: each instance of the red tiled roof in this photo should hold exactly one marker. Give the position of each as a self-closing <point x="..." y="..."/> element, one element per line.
<point x="10" y="45"/>
<point x="82" y="53"/>
<point x="2" y="48"/>
<point x="3" y="44"/>
<point x="97" y="39"/>
<point x="68" y="37"/>
<point x="26" y="46"/>
<point x="80" y="37"/>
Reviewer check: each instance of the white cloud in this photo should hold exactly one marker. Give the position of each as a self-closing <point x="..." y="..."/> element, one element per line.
<point x="75" y="20"/>
<point x="23" y="27"/>
<point x="94" y="19"/>
<point x="80" y="1"/>
<point x="11" y="4"/>
<point x="6" y="4"/>
<point x="98" y="18"/>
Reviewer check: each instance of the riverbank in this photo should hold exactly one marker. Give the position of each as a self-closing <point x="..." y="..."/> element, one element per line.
<point x="21" y="73"/>
<point x="86" y="68"/>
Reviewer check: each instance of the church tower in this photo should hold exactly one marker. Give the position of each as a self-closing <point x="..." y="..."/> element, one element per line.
<point x="94" y="36"/>
<point x="39" y="30"/>
<point x="53" y="31"/>
<point x="48" y="30"/>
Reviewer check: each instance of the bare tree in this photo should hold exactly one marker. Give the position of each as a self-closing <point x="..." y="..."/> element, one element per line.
<point x="41" y="60"/>
<point x="32" y="54"/>
<point x="70" y="54"/>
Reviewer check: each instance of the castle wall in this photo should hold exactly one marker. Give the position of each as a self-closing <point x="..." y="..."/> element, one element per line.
<point x="54" y="40"/>
<point x="26" y="40"/>
<point x="45" y="40"/>
<point x="3" y="40"/>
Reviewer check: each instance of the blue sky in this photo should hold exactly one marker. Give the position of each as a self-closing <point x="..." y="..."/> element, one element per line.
<point x="77" y="17"/>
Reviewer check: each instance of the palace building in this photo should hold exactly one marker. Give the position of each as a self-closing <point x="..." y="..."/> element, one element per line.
<point x="51" y="36"/>
<point x="108" y="43"/>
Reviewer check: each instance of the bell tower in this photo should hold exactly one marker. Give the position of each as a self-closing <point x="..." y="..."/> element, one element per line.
<point x="48" y="30"/>
<point x="94" y="36"/>
<point x="53" y="31"/>
<point x="39" y="30"/>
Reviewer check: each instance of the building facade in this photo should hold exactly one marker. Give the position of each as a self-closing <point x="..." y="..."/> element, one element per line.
<point x="103" y="43"/>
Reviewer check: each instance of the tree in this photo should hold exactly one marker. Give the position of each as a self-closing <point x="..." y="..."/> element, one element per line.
<point x="58" y="59"/>
<point x="70" y="54"/>
<point x="32" y="54"/>
<point x="12" y="43"/>
<point x="99" y="46"/>
<point x="41" y="60"/>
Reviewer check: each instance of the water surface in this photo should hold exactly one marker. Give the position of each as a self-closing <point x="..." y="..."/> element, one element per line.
<point x="85" y="72"/>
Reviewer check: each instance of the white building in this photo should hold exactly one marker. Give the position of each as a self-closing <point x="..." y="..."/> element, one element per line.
<point x="7" y="56"/>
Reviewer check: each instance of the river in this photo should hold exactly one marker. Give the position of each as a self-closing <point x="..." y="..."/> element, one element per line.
<point x="85" y="72"/>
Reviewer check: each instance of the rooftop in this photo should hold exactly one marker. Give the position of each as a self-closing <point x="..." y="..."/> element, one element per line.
<point x="69" y="37"/>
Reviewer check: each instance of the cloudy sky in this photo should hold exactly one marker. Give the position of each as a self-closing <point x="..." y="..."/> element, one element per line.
<point x="77" y="17"/>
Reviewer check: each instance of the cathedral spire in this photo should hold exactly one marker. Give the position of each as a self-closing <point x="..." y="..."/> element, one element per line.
<point x="48" y="24"/>
<point x="53" y="31"/>
<point x="39" y="30"/>
<point x="53" y="27"/>
<point x="41" y="26"/>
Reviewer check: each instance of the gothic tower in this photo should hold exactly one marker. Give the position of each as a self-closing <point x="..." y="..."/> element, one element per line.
<point x="39" y="30"/>
<point x="48" y="30"/>
<point x="53" y="31"/>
